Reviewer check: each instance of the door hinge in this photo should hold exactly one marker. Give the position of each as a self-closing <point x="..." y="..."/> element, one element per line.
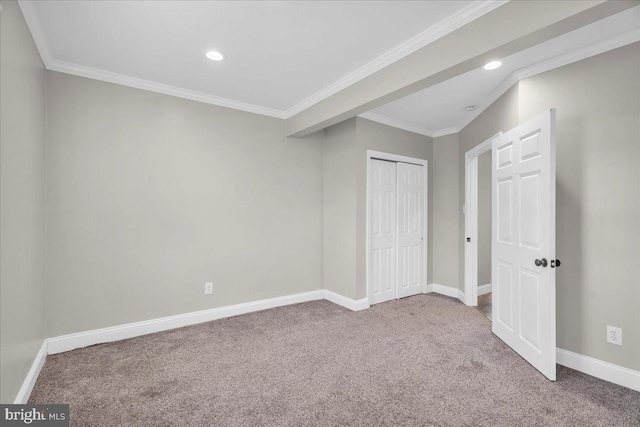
<point x="468" y="239"/>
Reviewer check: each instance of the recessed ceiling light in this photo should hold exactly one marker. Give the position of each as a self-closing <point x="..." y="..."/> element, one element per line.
<point x="469" y="108"/>
<point x="492" y="65"/>
<point x="214" y="55"/>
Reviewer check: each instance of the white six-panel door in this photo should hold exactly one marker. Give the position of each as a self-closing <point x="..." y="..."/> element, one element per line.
<point x="410" y="229"/>
<point x="382" y="262"/>
<point x="523" y="242"/>
<point x="396" y="224"/>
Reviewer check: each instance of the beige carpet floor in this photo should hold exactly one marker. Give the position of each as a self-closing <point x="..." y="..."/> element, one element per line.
<point x="420" y="361"/>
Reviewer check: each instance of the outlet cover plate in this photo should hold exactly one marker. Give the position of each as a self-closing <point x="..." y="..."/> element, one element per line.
<point x="208" y="288"/>
<point x="614" y="335"/>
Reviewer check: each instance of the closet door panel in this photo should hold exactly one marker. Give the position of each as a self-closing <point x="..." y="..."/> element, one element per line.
<point x="382" y="217"/>
<point x="410" y="213"/>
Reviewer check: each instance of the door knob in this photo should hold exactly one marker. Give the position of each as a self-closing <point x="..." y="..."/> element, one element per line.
<point x="555" y="263"/>
<point x="541" y="262"/>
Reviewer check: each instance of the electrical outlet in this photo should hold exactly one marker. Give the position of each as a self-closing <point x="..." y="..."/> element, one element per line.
<point x="208" y="288"/>
<point x="614" y="335"/>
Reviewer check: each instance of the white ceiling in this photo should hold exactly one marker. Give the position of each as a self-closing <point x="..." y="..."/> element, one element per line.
<point x="284" y="56"/>
<point x="439" y="109"/>
<point x="279" y="52"/>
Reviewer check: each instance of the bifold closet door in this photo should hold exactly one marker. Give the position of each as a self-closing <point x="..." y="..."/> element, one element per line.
<point x="410" y="197"/>
<point x="382" y="261"/>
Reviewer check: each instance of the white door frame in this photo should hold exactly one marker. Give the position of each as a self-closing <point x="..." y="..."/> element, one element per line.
<point x="371" y="154"/>
<point x="471" y="220"/>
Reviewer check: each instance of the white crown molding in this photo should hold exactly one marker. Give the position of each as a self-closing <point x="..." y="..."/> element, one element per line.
<point x="452" y="23"/>
<point x="614" y="42"/>
<point x="31" y="18"/>
<point x="490" y="99"/>
<point x="463" y="17"/>
<point x="52" y="64"/>
<point x="457" y="20"/>
<point x="121" y="79"/>
<point x="567" y="58"/>
<point x="445" y="131"/>
<point x="30" y="380"/>
<point x="576" y="55"/>
<point x="375" y="117"/>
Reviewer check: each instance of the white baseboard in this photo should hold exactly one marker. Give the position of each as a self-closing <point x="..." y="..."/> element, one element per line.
<point x="351" y="304"/>
<point x="445" y="290"/>
<point x="599" y="369"/>
<point x="25" y="391"/>
<point x="594" y="367"/>
<point x="131" y="330"/>
<point x="484" y="289"/>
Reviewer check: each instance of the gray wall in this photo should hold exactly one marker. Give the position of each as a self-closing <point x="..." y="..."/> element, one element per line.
<point x="22" y="198"/>
<point x="511" y="28"/>
<point x="484" y="219"/>
<point x="375" y="136"/>
<point x="345" y="196"/>
<point x="598" y="203"/>
<point x="150" y="196"/>
<point x="501" y="116"/>
<point x="446" y="210"/>
<point x="340" y="200"/>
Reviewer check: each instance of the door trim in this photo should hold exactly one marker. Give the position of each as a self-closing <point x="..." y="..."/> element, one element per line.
<point x="471" y="220"/>
<point x="380" y="155"/>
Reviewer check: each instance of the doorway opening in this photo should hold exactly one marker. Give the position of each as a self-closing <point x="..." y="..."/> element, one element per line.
<point x="396" y="226"/>
<point x="478" y="227"/>
<point x="484" y="234"/>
